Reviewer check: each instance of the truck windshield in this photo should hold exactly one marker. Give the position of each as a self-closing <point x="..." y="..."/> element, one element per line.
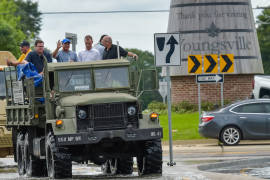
<point x="74" y="80"/>
<point x="2" y="85"/>
<point x="111" y="77"/>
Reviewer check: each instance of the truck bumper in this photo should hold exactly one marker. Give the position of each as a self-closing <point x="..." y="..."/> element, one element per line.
<point x="94" y="137"/>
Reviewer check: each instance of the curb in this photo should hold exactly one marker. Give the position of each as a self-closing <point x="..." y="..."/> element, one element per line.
<point x="243" y="163"/>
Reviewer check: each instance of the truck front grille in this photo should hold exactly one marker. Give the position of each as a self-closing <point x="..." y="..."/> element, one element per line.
<point x="107" y="116"/>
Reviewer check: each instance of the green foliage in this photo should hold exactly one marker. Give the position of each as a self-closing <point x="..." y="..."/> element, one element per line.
<point x="19" y="20"/>
<point x="146" y="61"/>
<point x="184" y="126"/>
<point x="9" y="38"/>
<point x="184" y="107"/>
<point x="263" y="32"/>
<point x="30" y="17"/>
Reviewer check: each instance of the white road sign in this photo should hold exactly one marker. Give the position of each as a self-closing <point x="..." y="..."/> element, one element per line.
<point x="210" y="78"/>
<point x="167" y="49"/>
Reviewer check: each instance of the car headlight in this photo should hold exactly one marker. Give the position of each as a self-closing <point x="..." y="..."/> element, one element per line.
<point x="131" y="110"/>
<point x="82" y="114"/>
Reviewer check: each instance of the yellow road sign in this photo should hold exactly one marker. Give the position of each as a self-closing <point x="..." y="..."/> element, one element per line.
<point x="211" y="63"/>
<point x="226" y="63"/>
<point x="195" y="64"/>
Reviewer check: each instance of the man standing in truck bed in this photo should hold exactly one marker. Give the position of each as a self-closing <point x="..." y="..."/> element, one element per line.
<point x="25" y="49"/>
<point x="110" y="51"/>
<point x="36" y="57"/>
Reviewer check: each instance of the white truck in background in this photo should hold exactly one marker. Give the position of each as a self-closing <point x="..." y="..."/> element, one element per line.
<point x="261" y="86"/>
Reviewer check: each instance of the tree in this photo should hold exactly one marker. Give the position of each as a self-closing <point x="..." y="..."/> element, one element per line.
<point x="263" y="32"/>
<point x="9" y="38"/>
<point x="10" y="32"/>
<point x="147" y="60"/>
<point x="30" y="18"/>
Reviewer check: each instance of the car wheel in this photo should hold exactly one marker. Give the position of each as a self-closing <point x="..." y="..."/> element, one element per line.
<point x="230" y="136"/>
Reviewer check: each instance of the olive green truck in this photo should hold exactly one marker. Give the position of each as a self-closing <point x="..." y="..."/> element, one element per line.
<point x="83" y="111"/>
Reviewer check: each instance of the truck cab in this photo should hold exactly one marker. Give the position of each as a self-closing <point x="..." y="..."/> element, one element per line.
<point x="83" y="111"/>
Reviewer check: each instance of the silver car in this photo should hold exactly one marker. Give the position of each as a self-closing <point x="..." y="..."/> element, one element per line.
<point x="249" y="119"/>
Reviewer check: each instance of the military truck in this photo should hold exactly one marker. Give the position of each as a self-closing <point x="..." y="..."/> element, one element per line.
<point x="83" y="111"/>
<point x="6" y="147"/>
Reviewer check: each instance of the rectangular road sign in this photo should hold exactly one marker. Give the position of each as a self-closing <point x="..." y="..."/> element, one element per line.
<point x="167" y="49"/>
<point x="210" y="78"/>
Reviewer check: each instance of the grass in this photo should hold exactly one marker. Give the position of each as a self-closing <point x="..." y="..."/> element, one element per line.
<point x="184" y="126"/>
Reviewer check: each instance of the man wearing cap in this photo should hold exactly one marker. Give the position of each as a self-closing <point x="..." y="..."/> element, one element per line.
<point x="25" y="49"/>
<point x="65" y="55"/>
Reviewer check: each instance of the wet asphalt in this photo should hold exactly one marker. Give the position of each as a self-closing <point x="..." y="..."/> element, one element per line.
<point x="195" y="160"/>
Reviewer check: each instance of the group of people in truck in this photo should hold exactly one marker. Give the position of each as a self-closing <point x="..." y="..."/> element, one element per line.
<point x="103" y="50"/>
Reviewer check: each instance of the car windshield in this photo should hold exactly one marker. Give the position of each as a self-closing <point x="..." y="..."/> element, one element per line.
<point x="111" y="77"/>
<point x="2" y="85"/>
<point x="74" y="80"/>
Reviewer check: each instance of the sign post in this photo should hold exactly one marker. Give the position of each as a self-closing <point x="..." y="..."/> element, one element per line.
<point x="167" y="53"/>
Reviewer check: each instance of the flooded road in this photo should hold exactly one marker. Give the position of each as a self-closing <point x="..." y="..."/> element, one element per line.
<point x="194" y="161"/>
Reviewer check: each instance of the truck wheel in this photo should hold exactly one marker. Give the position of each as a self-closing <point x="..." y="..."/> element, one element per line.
<point x="150" y="161"/>
<point x="33" y="166"/>
<point x="58" y="160"/>
<point x="14" y="140"/>
<point x="105" y="168"/>
<point x="121" y="165"/>
<point x="20" y="154"/>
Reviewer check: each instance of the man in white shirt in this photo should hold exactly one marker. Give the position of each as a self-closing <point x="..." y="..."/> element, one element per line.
<point x="89" y="54"/>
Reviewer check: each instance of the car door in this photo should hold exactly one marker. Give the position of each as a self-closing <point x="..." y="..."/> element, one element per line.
<point x="267" y="109"/>
<point x="252" y="120"/>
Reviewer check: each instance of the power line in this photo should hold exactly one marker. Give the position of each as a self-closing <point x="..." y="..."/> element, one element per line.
<point x="117" y="11"/>
<point x="106" y="12"/>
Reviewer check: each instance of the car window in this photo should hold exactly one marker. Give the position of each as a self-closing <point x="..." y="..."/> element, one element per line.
<point x="267" y="107"/>
<point x="250" y="108"/>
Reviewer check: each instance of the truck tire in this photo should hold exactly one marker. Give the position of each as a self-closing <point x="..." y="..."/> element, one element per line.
<point x="105" y="168"/>
<point x="33" y="166"/>
<point x="20" y="154"/>
<point x="14" y="143"/>
<point x="121" y="165"/>
<point x="150" y="161"/>
<point x="58" y="160"/>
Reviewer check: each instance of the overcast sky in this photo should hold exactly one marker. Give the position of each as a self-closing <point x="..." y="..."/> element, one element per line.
<point x="132" y="30"/>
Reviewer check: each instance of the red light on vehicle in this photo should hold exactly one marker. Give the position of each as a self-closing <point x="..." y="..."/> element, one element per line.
<point x="207" y="118"/>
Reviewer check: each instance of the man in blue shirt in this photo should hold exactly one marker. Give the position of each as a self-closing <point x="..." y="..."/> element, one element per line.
<point x="36" y="57"/>
<point x="65" y="55"/>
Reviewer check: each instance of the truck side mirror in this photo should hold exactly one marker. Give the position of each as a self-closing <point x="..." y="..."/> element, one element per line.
<point x="150" y="80"/>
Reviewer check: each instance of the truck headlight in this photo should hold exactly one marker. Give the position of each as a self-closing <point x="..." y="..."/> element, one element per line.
<point x="82" y="114"/>
<point x="131" y="110"/>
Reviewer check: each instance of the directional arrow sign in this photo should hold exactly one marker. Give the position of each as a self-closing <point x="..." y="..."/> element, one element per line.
<point x="210" y="78"/>
<point x="167" y="49"/>
<point x="195" y="64"/>
<point x="226" y="63"/>
<point x="210" y="63"/>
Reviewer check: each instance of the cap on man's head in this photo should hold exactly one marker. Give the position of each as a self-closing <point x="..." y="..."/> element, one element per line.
<point x="65" y="41"/>
<point x="25" y="43"/>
